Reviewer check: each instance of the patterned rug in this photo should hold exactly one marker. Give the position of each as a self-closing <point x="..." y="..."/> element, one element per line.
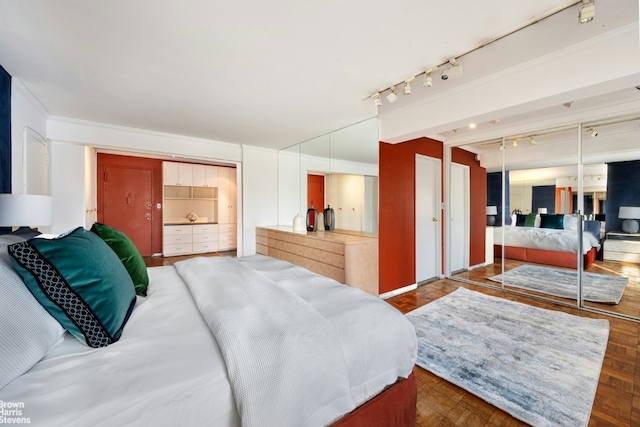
<point x="602" y="288"/>
<point x="541" y="366"/>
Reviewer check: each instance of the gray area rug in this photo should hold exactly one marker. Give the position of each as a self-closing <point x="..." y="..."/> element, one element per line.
<point x="541" y="366"/>
<point x="602" y="288"/>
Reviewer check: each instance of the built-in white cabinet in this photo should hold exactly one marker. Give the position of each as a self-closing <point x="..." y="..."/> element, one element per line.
<point x="211" y="193"/>
<point x="177" y="240"/>
<point x="177" y="173"/>
<point x="345" y="194"/>
<point x="227" y="195"/>
<point x="205" y="176"/>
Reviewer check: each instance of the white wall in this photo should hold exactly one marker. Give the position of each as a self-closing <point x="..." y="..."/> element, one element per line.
<point x="26" y="111"/>
<point x="259" y="192"/>
<point x="67" y="186"/>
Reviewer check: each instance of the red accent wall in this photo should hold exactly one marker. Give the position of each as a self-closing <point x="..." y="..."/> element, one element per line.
<point x="477" y="202"/>
<point x="397" y="257"/>
<point x="315" y="191"/>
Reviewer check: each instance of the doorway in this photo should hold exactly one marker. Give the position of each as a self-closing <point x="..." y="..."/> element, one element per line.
<point x="428" y="217"/>
<point x="129" y="193"/>
<point x="459" y="217"/>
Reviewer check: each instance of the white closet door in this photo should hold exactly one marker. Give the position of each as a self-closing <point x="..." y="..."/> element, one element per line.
<point x="459" y="217"/>
<point x="428" y="217"/>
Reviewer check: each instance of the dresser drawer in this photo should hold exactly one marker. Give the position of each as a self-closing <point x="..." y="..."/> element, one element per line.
<point x="201" y="247"/>
<point x="177" y="230"/>
<point x="204" y="228"/>
<point x="180" y="249"/>
<point x="178" y="239"/>
<point x="205" y="237"/>
<point x="227" y="228"/>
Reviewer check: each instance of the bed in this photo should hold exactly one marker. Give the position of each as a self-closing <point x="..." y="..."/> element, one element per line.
<point x="220" y="341"/>
<point x="547" y="245"/>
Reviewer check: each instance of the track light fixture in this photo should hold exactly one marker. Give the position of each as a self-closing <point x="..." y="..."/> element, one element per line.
<point x="592" y="132"/>
<point x="587" y="11"/>
<point x="453" y="72"/>
<point x="428" y="81"/>
<point x="515" y="142"/>
<point x="392" y="97"/>
<point x="407" y="86"/>
<point x="532" y="140"/>
<point x="376" y="99"/>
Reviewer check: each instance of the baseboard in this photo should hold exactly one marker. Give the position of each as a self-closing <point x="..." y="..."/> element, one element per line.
<point x="398" y="291"/>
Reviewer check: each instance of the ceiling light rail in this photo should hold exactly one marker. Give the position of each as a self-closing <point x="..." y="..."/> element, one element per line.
<point x="586" y="14"/>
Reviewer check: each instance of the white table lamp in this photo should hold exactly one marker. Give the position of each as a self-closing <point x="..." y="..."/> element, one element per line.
<point x="492" y="211"/>
<point x="543" y="210"/>
<point x="25" y="210"/>
<point x="630" y="215"/>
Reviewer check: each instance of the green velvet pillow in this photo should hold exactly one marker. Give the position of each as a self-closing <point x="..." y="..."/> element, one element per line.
<point x="552" y="221"/>
<point x="128" y="254"/>
<point x="80" y="281"/>
<point x="530" y="220"/>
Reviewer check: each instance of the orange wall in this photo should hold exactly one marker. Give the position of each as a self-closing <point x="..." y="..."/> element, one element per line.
<point x="477" y="204"/>
<point x="396" y="233"/>
<point x="397" y="208"/>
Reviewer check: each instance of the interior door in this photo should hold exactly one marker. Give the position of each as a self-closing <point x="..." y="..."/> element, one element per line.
<point x="127" y="205"/>
<point x="459" y="217"/>
<point x="315" y="192"/>
<point x="428" y="214"/>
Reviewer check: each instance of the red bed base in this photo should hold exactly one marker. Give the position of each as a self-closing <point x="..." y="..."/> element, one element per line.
<point x="394" y="407"/>
<point x="540" y="256"/>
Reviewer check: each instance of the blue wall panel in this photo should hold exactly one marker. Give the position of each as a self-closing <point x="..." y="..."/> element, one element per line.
<point x="623" y="189"/>
<point x="494" y="194"/>
<point x="543" y="196"/>
<point x="5" y="131"/>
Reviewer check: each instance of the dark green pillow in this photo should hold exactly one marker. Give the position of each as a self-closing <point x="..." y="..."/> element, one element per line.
<point x="80" y="281"/>
<point x="128" y="254"/>
<point x="552" y="221"/>
<point x="530" y="220"/>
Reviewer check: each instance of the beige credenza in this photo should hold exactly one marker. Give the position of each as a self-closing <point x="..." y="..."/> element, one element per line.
<point x="346" y="256"/>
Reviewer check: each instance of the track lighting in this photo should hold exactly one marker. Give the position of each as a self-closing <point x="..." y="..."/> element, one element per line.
<point x="428" y="81"/>
<point x="532" y="141"/>
<point x="407" y="86"/>
<point x="515" y="142"/>
<point x="392" y="97"/>
<point x="453" y="72"/>
<point x="592" y="132"/>
<point x="495" y="122"/>
<point x="587" y="11"/>
<point x="568" y="104"/>
<point x="376" y="99"/>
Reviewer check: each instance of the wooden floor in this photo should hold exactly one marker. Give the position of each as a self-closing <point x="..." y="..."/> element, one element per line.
<point x="617" y="401"/>
<point x="440" y="403"/>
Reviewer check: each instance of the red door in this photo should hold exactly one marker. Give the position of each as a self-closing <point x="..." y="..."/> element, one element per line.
<point x="128" y="203"/>
<point x="315" y="192"/>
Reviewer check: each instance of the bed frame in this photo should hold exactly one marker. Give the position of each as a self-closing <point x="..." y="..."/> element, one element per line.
<point x="394" y="407"/>
<point x="540" y="256"/>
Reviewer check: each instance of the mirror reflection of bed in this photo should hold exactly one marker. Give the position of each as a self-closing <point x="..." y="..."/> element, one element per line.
<point x="541" y="201"/>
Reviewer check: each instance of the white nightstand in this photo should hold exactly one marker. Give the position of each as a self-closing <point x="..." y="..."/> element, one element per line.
<point x="488" y="250"/>
<point x="622" y="247"/>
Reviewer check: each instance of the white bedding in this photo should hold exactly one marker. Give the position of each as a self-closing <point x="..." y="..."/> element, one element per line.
<point x="545" y="238"/>
<point x="277" y="323"/>
<point x="168" y="370"/>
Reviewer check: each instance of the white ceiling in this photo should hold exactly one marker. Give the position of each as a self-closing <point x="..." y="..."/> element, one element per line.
<point x="269" y="74"/>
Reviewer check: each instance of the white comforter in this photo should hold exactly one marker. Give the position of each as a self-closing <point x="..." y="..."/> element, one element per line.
<point x="300" y="349"/>
<point x="545" y="238"/>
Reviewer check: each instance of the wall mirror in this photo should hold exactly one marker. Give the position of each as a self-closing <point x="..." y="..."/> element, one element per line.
<point x="591" y="174"/>
<point x="346" y="163"/>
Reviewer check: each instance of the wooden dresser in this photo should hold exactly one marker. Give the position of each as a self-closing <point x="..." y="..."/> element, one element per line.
<point x="349" y="257"/>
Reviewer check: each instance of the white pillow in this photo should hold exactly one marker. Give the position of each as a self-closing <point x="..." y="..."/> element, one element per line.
<point x="570" y="222"/>
<point x="538" y="221"/>
<point x="27" y="330"/>
<point x="514" y="218"/>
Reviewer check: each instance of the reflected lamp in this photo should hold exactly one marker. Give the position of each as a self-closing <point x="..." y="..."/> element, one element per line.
<point x="630" y="215"/>
<point x="492" y="211"/>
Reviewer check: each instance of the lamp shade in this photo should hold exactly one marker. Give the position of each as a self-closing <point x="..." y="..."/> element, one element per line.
<point x="629" y="212"/>
<point x="28" y="210"/>
<point x="492" y="210"/>
<point x="543" y="210"/>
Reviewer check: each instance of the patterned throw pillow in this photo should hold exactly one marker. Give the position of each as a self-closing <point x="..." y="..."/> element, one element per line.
<point x="27" y="331"/>
<point x="80" y="281"/>
<point x="128" y="254"/>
